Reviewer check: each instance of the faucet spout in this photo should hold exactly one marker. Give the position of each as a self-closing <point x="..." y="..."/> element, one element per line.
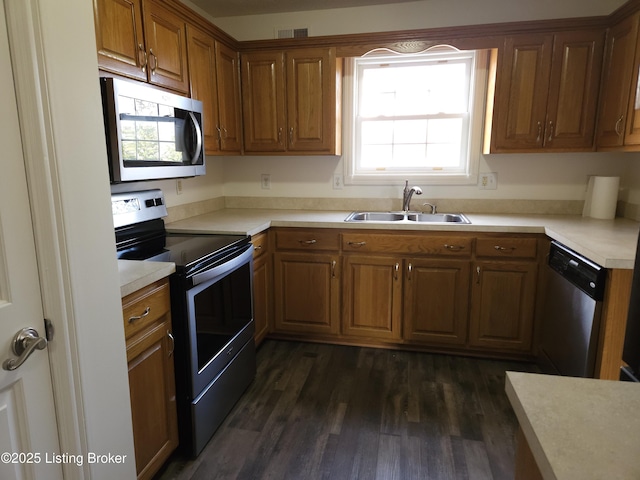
<point x="407" y="194"/>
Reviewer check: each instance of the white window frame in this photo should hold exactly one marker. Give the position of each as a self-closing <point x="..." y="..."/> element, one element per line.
<point x="352" y="176"/>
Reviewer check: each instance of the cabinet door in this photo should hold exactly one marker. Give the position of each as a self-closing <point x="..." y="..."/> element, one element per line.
<point x="617" y="74"/>
<point x="436" y="301"/>
<point x="262" y="295"/>
<point x="306" y="292"/>
<point x="502" y="305"/>
<point x="119" y="37"/>
<point x="166" y="48"/>
<point x="521" y="92"/>
<point x="153" y="399"/>
<point x="263" y="102"/>
<point x="573" y="90"/>
<point x="372" y="297"/>
<point x="311" y="91"/>
<point x="202" y="79"/>
<point x="229" y="109"/>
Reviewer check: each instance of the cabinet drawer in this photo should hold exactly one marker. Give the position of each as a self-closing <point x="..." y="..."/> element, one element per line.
<point x="307" y="240"/>
<point x="445" y="245"/>
<point x="142" y="308"/>
<point x="260" y="244"/>
<point x="505" y="247"/>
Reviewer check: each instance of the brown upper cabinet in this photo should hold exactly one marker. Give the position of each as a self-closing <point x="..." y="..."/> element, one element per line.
<point x="546" y="91"/>
<point x="141" y="39"/>
<point x="291" y="101"/>
<point x="619" y="123"/>
<point x="214" y="77"/>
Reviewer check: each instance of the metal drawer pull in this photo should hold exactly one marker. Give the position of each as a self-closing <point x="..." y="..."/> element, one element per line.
<point x="504" y="249"/>
<point x="454" y="247"/>
<point x="257" y="247"/>
<point x="356" y="244"/>
<point x="146" y="312"/>
<point x="333" y="269"/>
<point x="307" y="242"/>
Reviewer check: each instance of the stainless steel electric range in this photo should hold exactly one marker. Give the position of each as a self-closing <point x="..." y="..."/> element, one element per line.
<point x="211" y="310"/>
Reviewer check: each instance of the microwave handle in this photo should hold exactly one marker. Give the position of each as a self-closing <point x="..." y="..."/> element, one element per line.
<point x="198" y="131"/>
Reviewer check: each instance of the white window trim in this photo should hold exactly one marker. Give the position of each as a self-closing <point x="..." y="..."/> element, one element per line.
<point x="478" y="95"/>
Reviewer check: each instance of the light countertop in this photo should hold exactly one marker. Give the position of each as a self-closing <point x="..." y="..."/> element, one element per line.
<point x="135" y="274"/>
<point x="578" y="428"/>
<point x="610" y="243"/>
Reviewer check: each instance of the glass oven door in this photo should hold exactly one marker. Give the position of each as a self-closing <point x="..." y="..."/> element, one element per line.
<point x="220" y="317"/>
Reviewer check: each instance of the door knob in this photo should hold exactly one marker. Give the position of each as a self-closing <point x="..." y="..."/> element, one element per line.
<point x="23" y="345"/>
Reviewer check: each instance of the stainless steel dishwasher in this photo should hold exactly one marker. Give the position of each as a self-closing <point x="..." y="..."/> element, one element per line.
<point x="571" y="316"/>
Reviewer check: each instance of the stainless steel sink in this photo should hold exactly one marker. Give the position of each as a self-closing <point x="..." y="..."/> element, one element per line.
<point x="438" y="218"/>
<point x="458" y="218"/>
<point x="375" y="217"/>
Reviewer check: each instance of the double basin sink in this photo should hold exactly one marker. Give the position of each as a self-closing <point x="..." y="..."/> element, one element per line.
<point x="458" y="218"/>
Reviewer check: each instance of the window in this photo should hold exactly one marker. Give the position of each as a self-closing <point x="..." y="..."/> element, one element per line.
<point x="414" y="116"/>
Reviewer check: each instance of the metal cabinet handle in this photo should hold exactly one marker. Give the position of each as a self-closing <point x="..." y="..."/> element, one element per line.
<point x="146" y="312"/>
<point x="455" y="248"/>
<point x="478" y="275"/>
<point x="333" y="269"/>
<point x="550" y="137"/>
<point x="143" y="64"/>
<point x="504" y="249"/>
<point x="257" y="247"/>
<point x="280" y="135"/>
<point x="173" y="342"/>
<point x="307" y="242"/>
<point x="356" y="244"/>
<point x="219" y="134"/>
<point x="155" y="61"/>
<point x="409" y="270"/>
<point x="539" y="137"/>
<point x="617" y="126"/>
<point x="291" y="136"/>
<point x="396" y="270"/>
<point x="24" y="343"/>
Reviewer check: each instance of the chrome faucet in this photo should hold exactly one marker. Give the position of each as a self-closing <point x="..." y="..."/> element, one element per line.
<point x="407" y="194"/>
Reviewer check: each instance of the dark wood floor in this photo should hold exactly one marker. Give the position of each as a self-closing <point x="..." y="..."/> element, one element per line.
<point x="334" y="412"/>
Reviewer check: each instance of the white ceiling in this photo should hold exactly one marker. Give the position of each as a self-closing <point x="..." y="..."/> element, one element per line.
<point x="232" y="8"/>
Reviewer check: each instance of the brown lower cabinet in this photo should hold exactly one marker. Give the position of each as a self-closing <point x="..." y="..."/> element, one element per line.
<point x="147" y="324"/>
<point x="458" y="292"/>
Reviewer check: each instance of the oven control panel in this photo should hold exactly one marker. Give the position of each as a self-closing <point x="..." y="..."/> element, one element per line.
<point x="134" y="207"/>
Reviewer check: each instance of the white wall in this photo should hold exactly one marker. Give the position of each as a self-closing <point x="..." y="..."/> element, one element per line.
<point x="411" y="15"/>
<point x="76" y="154"/>
<point x="531" y="176"/>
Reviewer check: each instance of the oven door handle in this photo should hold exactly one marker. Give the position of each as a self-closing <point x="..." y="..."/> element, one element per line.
<point x="228" y="266"/>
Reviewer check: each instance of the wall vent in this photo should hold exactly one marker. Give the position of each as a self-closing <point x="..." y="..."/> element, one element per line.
<point x="292" y="32"/>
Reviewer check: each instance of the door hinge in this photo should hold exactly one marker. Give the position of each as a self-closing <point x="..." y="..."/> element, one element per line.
<point x="49" y="330"/>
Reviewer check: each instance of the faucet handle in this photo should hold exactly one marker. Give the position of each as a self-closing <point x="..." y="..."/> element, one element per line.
<point x="434" y="208"/>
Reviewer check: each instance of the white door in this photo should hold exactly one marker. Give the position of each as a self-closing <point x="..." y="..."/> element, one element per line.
<point x="28" y="430"/>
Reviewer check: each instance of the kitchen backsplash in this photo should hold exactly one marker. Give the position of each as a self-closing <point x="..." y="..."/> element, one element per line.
<point x="547" y="207"/>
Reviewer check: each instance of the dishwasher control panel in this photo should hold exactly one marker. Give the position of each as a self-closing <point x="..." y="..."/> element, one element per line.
<point x="582" y="272"/>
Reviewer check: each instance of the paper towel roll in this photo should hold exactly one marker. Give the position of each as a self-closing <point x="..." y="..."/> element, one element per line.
<point x="602" y="197"/>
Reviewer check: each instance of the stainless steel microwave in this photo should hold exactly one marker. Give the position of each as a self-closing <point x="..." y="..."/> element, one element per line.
<point x="151" y="134"/>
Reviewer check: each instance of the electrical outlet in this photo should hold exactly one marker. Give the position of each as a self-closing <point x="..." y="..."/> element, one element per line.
<point x="265" y="181"/>
<point x="179" y="186"/>
<point x="488" y="181"/>
<point x="337" y="181"/>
